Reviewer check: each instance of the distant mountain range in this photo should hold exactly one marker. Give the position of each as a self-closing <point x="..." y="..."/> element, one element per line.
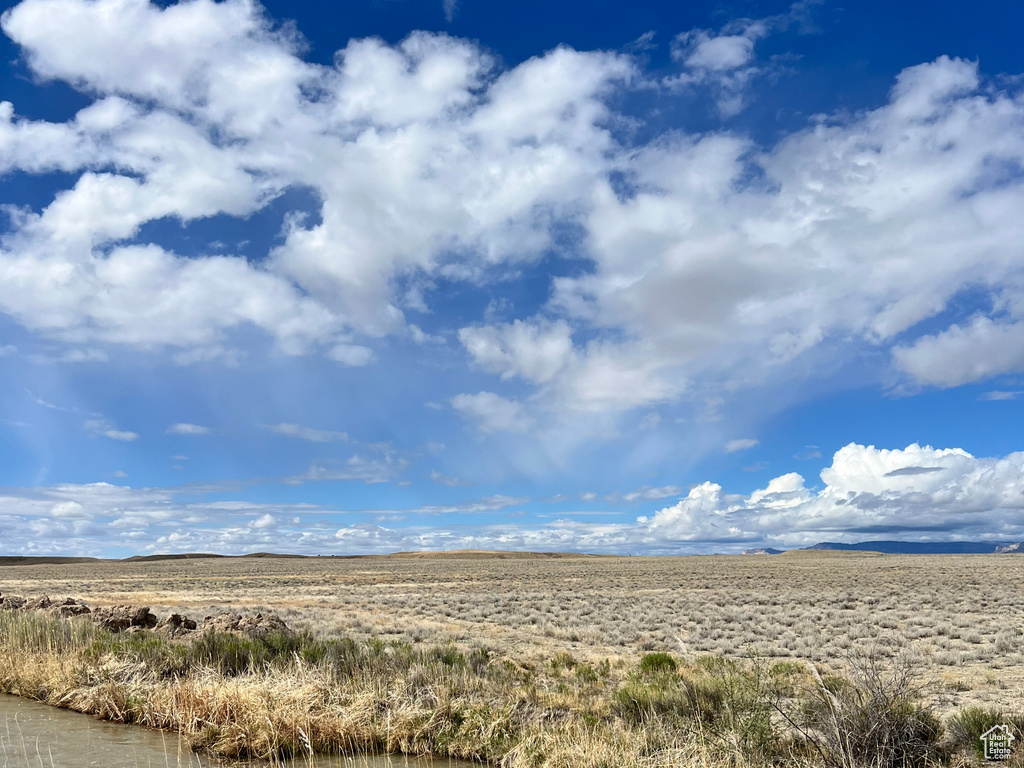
<point x="909" y="547"/>
<point x="925" y="547"/>
<point x="883" y="547"/>
<point x="454" y="554"/>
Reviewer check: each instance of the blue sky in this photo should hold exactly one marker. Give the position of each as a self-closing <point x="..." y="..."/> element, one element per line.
<point x="391" y="275"/>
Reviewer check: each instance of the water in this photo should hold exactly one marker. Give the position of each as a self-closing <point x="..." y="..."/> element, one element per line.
<point x="34" y="735"/>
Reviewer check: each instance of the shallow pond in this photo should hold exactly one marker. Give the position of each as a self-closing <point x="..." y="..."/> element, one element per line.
<point x="34" y="735"/>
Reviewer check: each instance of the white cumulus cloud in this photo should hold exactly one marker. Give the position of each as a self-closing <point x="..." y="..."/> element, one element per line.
<point x="720" y="264"/>
<point x="917" y="493"/>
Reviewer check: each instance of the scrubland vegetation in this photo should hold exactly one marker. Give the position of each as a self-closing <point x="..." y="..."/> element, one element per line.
<point x="282" y="695"/>
<point x="823" y="660"/>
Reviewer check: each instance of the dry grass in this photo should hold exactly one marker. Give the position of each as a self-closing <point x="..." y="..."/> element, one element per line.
<point x="963" y="614"/>
<point x="308" y="696"/>
<point x="302" y="695"/>
<point x="538" y="662"/>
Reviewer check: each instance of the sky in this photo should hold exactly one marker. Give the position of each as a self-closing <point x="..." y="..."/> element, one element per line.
<point x="388" y="275"/>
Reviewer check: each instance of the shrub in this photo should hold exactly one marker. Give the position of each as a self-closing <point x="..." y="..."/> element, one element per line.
<point x="563" y="660"/>
<point x="232" y="654"/>
<point x="965" y="727"/>
<point x="447" y="655"/>
<point x="479" y="658"/>
<point x="657" y="664"/>
<point x="873" y="718"/>
<point x="164" y="658"/>
<point x="638" y="701"/>
<point x="717" y="700"/>
<point x="339" y="654"/>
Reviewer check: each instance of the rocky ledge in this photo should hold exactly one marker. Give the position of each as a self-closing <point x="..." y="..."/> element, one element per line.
<point x="135" y="618"/>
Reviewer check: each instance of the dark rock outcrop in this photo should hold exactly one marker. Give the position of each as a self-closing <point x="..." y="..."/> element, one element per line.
<point x="259" y="625"/>
<point x="222" y="622"/>
<point x="176" y="625"/>
<point x="122" y="617"/>
<point x="256" y="625"/>
<point x="69" y="607"/>
<point x="131" y="619"/>
<point x="66" y="606"/>
<point x="12" y="602"/>
<point x="38" y="604"/>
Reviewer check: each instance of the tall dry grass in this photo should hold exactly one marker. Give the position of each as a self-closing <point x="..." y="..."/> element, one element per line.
<point x="285" y="695"/>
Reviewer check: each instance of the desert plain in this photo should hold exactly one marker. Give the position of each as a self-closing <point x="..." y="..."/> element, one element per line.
<point x="959" y="618"/>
